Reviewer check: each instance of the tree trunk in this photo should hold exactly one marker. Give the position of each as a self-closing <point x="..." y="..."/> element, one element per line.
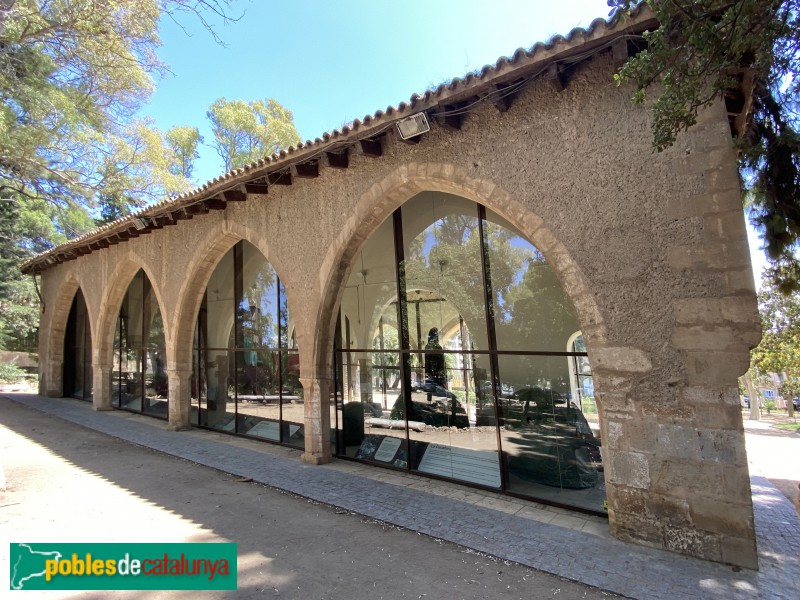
<point x="755" y="413"/>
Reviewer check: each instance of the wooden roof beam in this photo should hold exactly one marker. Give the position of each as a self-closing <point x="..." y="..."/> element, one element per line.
<point x="280" y="178"/>
<point x="371" y="147"/>
<point x="234" y="196"/>
<point x="504" y="94"/>
<point x="197" y="209"/>
<point x="453" y="122"/>
<point x="335" y="160"/>
<point x="165" y="220"/>
<point x="306" y="170"/>
<point x="556" y="75"/>
<point x="620" y="52"/>
<point x="215" y="204"/>
<point x="257" y="187"/>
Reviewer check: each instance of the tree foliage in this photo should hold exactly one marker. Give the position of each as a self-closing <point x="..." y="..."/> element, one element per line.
<point x="246" y="131"/>
<point x="19" y="304"/>
<point x="779" y="350"/>
<point x="183" y="141"/>
<point x="72" y="75"/>
<point x="692" y="58"/>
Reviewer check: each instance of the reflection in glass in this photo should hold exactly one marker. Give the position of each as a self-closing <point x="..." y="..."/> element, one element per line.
<point x="549" y="448"/>
<point x="246" y="374"/>
<point x="531" y="310"/>
<point x="139" y="378"/>
<point x="479" y="372"/>
<point x="443" y="272"/>
<point x="446" y="439"/>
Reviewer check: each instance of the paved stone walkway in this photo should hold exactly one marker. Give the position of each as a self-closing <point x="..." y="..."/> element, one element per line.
<point x="568" y="545"/>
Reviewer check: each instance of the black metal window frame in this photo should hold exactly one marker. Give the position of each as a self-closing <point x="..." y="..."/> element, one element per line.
<point x="406" y="352"/>
<point x="201" y="351"/>
<point x="84" y="344"/>
<point x="122" y="325"/>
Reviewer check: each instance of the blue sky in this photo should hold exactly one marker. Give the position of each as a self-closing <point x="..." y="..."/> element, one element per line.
<point x="333" y="62"/>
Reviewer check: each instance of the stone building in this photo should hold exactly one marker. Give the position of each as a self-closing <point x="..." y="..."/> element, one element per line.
<point x="520" y="296"/>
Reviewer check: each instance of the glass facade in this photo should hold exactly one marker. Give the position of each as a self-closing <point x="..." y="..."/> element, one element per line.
<point x="139" y="380"/>
<point x="78" y="351"/>
<point x="459" y="355"/>
<point x="246" y="365"/>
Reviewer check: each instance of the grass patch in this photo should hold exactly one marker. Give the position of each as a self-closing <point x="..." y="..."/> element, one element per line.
<point x="789" y="426"/>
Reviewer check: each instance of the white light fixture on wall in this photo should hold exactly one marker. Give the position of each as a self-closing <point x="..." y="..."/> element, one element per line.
<point x="413" y="126"/>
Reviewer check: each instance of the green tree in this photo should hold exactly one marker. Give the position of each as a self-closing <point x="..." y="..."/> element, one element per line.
<point x="183" y="141"/>
<point x="246" y="131"/>
<point x="19" y="304"/>
<point x="72" y="75"/>
<point x="779" y="350"/>
<point x="692" y="58"/>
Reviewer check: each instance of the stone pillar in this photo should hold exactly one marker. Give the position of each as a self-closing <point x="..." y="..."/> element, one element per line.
<point x="101" y="387"/>
<point x="180" y="381"/>
<point x="317" y="421"/>
<point x="54" y="383"/>
<point x="676" y="468"/>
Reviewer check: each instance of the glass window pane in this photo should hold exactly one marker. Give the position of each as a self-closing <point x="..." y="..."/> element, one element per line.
<point x="130" y="375"/>
<point x="244" y="322"/>
<point x="446" y="438"/>
<point x="370" y="294"/>
<point x="532" y="311"/>
<point x="258" y="398"/>
<point x="443" y="271"/>
<point x="221" y="403"/>
<point x="156" y="387"/>
<point x="550" y="450"/>
<point x="292" y="409"/>
<point x="258" y="309"/>
<point x="219" y="302"/>
<point x="368" y="414"/>
<point x="140" y="368"/>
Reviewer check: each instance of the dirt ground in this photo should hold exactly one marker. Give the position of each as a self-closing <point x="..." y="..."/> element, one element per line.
<point x="65" y="483"/>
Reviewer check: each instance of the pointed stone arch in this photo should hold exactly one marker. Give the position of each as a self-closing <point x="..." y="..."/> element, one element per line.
<point x="52" y="376"/>
<point x="118" y="285"/>
<point x="199" y="271"/>
<point x="212" y="248"/>
<point x="102" y="354"/>
<point x="405" y="182"/>
<point x="375" y="206"/>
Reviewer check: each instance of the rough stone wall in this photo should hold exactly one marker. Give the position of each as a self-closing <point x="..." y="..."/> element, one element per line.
<point x="650" y="248"/>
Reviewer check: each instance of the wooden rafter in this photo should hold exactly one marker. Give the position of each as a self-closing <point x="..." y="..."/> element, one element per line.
<point x="337" y="160"/>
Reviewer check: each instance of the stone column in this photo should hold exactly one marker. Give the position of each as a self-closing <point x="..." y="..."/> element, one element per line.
<point x="54" y="382"/>
<point x="676" y="468"/>
<point x="101" y="387"/>
<point x="317" y="421"/>
<point x="180" y="381"/>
